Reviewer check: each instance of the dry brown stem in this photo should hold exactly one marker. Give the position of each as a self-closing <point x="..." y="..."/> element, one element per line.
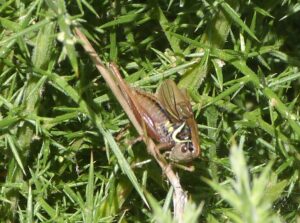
<point x="179" y="196"/>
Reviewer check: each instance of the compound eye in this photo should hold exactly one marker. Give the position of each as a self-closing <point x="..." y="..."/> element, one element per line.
<point x="190" y="147"/>
<point x="184" y="149"/>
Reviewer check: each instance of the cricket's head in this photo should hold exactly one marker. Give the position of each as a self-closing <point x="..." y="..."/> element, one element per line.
<point x="186" y="144"/>
<point x="183" y="152"/>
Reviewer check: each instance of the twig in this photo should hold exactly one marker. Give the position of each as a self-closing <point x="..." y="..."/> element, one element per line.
<point x="179" y="196"/>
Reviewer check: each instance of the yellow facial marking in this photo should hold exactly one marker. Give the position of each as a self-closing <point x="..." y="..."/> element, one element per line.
<point x="175" y="133"/>
<point x="171" y="129"/>
<point x="169" y="126"/>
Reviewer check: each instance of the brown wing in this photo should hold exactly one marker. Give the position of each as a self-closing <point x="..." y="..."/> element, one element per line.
<point x="177" y="104"/>
<point x="145" y="107"/>
<point x="174" y="101"/>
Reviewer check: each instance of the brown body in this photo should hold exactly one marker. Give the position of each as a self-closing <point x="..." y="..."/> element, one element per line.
<point x="167" y="117"/>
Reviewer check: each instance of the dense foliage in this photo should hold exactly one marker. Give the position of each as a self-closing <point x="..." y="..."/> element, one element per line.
<point x="65" y="142"/>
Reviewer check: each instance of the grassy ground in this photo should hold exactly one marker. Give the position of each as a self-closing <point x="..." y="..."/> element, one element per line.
<point x="65" y="141"/>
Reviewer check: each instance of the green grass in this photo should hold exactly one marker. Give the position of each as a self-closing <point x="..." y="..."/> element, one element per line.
<point x="65" y="141"/>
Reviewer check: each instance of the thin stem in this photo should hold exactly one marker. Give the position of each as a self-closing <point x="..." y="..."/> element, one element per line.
<point x="179" y="196"/>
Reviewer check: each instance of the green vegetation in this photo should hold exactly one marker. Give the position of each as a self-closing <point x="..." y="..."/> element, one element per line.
<point x="65" y="146"/>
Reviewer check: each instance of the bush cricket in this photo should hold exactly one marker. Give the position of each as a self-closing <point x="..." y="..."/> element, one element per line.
<point x="167" y="117"/>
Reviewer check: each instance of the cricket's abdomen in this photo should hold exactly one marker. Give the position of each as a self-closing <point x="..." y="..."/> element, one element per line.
<point x="154" y="117"/>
